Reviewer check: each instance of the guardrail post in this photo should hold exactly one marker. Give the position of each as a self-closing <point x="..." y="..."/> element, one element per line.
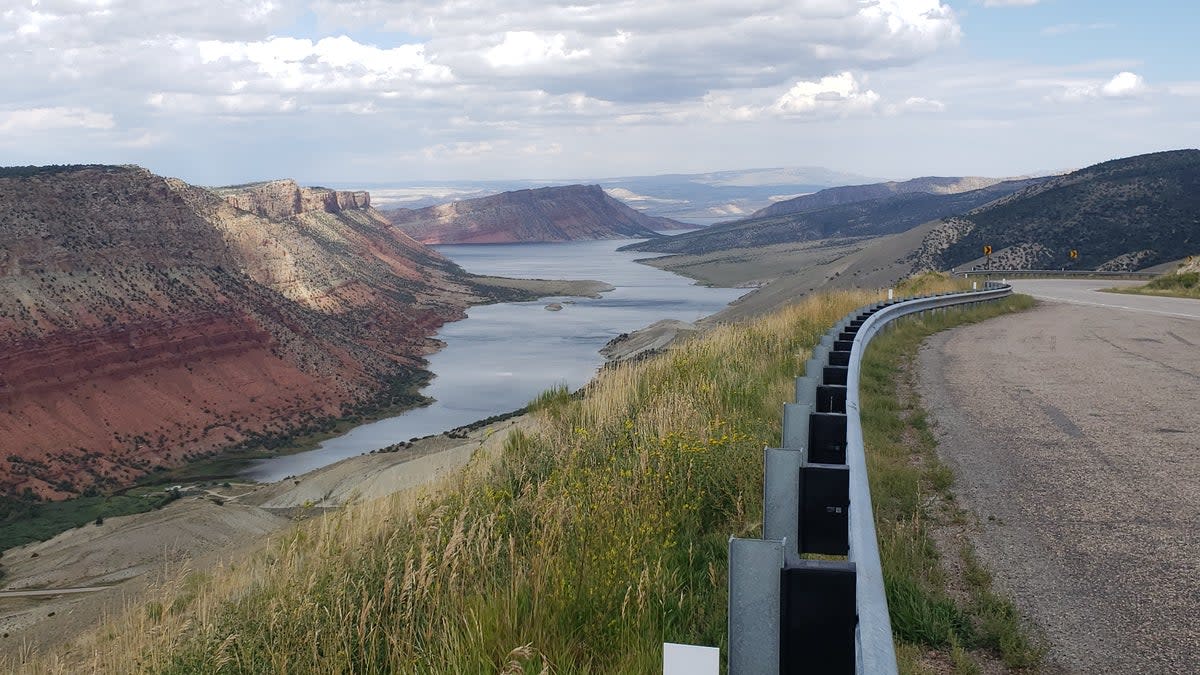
<point x="782" y="469"/>
<point x="813" y="366"/>
<point x="795" y="425"/>
<point x="806" y="389"/>
<point x="755" y="603"/>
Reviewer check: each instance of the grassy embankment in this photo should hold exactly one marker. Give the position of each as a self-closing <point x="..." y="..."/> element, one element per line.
<point x="1186" y="285"/>
<point x="944" y="616"/>
<point x="581" y="548"/>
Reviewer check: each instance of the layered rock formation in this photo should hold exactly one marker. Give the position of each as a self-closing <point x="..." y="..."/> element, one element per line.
<point x="285" y="198"/>
<point x="568" y="213"/>
<point x="145" y="321"/>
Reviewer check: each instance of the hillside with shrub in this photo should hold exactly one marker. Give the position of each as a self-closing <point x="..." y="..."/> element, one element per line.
<point x="1124" y="214"/>
<point x="869" y="218"/>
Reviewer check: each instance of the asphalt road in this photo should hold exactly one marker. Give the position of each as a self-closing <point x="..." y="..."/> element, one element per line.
<point x="1074" y="433"/>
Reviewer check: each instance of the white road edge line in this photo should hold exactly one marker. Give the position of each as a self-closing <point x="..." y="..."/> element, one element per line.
<point x="1105" y="304"/>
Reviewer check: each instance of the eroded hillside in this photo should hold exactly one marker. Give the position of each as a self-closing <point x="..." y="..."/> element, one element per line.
<point x="1124" y="214"/>
<point x="145" y="322"/>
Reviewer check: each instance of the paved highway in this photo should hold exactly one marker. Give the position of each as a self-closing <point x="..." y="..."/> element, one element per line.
<point x="1074" y="431"/>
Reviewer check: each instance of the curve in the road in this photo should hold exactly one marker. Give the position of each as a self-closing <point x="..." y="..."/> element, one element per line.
<point x="1074" y="434"/>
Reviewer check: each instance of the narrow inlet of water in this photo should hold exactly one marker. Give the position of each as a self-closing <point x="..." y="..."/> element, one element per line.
<point x="502" y="356"/>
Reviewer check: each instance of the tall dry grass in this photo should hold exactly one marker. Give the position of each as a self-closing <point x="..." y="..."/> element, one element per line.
<point x="580" y="548"/>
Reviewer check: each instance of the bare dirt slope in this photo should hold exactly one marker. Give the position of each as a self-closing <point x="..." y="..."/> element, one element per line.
<point x="1074" y="436"/>
<point x="783" y="273"/>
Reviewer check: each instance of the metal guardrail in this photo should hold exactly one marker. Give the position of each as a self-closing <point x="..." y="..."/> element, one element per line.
<point x="1050" y="274"/>
<point x="787" y="612"/>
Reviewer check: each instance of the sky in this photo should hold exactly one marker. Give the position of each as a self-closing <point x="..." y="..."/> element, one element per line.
<point x="386" y="91"/>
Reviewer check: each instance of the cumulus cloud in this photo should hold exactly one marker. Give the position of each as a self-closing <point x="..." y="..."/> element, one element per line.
<point x="838" y="94"/>
<point x="47" y="119"/>
<point x="523" y="48"/>
<point x="1122" y="85"/>
<point x="835" y="96"/>
<point x="485" y="58"/>
<point x="337" y="63"/>
<point x="917" y="104"/>
<point x="652" y="51"/>
<point x="80" y="22"/>
<point x="436" y="76"/>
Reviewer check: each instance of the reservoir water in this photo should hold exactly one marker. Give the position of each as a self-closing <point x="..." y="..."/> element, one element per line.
<point x="501" y="356"/>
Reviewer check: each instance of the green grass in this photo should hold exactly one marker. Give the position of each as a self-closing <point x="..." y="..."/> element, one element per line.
<point x="23" y="521"/>
<point x="1186" y="285"/>
<point x="912" y="493"/>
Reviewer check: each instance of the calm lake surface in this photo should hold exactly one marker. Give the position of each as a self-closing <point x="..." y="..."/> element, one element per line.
<point x="501" y="356"/>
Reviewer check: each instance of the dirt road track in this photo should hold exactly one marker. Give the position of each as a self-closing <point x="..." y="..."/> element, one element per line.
<point x="1074" y="433"/>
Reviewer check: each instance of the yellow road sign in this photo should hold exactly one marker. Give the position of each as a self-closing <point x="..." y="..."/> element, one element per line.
<point x="987" y="250"/>
<point x="1074" y="254"/>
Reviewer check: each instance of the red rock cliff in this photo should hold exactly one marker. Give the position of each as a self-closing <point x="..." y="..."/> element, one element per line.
<point x="284" y="199"/>
<point x="145" y="321"/>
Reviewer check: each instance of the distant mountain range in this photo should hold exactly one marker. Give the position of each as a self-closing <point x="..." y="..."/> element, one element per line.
<point x="699" y="199"/>
<point x="1126" y="214"/>
<point x="849" y="194"/>
<point x="805" y="219"/>
<point x="565" y="213"/>
<point x="1120" y="215"/>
